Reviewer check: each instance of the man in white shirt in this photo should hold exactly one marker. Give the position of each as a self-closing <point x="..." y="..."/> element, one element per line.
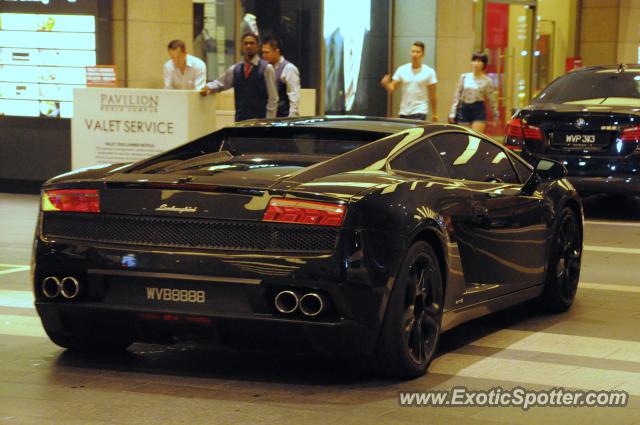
<point x="418" y="86"/>
<point x="287" y="77"/>
<point x="183" y="71"/>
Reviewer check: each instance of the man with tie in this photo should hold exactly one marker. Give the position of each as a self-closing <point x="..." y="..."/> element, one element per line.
<point x="254" y="83"/>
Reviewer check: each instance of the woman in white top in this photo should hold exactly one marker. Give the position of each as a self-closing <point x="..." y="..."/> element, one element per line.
<point x="473" y="89"/>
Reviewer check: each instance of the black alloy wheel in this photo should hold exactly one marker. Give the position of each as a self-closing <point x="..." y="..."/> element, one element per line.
<point x="411" y="328"/>
<point x="563" y="272"/>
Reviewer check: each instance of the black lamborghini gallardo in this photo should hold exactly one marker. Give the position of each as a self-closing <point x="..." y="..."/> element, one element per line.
<point x="356" y="236"/>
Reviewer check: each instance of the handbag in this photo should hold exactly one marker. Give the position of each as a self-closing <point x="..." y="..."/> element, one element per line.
<point x="459" y="105"/>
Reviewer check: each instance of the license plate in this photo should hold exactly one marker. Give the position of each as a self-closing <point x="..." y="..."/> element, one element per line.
<point x="176" y="295"/>
<point x="580" y="140"/>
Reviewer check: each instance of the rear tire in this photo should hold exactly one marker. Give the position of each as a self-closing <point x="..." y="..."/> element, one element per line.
<point x="411" y="328"/>
<point x="563" y="269"/>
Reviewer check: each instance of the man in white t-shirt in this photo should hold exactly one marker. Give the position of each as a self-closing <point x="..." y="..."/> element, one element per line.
<point x="183" y="71"/>
<point x="418" y="85"/>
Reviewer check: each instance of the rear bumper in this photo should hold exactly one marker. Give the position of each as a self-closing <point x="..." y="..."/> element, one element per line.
<point x="593" y="174"/>
<point x="623" y="185"/>
<point x="118" y="323"/>
<point x="114" y="301"/>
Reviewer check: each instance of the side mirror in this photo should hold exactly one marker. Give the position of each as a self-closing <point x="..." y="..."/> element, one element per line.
<point x="546" y="170"/>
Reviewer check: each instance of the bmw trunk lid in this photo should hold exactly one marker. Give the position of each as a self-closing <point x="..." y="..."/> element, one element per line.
<point x="578" y="130"/>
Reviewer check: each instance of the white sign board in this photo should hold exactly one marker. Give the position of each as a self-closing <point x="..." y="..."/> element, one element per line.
<point x="126" y="125"/>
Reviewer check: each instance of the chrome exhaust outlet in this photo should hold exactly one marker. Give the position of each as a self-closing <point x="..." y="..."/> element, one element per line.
<point x="286" y="302"/>
<point x="69" y="287"/>
<point x="51" y="286"/>
<point x="312" y="304"/>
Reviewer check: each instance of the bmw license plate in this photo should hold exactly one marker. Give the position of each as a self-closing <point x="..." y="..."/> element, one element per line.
<point x="580" y="140"/>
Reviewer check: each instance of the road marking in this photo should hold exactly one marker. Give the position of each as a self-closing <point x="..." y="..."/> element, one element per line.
<point x="13" y="268"/>
<point x="613" y="223"/>
<point x="611" y="249"/>
<point x="607" y="287"/>
<point x="21" y="326"/>
<point x="16" y="299"/>
<point x="547" y="358"/>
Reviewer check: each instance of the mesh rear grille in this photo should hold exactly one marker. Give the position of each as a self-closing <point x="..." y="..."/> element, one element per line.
<point x="189" y="233"/>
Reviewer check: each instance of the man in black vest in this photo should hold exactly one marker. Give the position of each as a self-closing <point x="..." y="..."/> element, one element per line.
<point x="287" y="77"/>
<point x="254" y="83"/>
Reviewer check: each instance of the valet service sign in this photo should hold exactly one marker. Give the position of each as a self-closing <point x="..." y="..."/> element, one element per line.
<point x="126" y="125"/>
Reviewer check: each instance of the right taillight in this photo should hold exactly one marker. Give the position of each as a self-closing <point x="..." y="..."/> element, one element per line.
<point x="631" y="135"/>
<point x="305" y="212"/>
<point x="518" y="131"/>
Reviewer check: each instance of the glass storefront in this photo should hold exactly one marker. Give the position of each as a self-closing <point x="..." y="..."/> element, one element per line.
<point x="527" y="42"/>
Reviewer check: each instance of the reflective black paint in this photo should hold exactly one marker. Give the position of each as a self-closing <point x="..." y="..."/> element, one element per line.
<point x="492" y="241"/>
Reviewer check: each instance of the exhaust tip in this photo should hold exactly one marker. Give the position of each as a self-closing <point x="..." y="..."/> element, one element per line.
<point x="313" y="304"/>
<point x="69" y="287"/>
<point x="51" y="286"/>
<point x="286" y="302"/>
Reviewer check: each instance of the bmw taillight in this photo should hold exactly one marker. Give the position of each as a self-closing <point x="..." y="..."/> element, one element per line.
<point x="518" y="131"/>
<point x="631" y="135"/>
<point x="71" y="200"/>
<point x="304" y="212"/>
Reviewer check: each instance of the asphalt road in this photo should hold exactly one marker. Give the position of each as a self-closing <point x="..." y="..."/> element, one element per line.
<point x="595" y="346"/>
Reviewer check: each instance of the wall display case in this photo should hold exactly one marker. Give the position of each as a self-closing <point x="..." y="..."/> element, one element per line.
<point x="42" y="59"/>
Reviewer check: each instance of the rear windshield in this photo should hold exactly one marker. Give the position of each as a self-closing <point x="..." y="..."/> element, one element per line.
<point x="595" y="87"/>
<point x="304" y="144"/>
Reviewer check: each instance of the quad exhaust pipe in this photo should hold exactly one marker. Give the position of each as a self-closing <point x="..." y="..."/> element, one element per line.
<point x="68" y="287"/>
<point x="310" y="304"/>
<point x="287" y="302"/>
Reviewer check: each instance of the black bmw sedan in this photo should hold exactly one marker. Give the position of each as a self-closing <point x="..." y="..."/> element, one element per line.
<point x="310" y="234"/>
<point x="588" y="120"/>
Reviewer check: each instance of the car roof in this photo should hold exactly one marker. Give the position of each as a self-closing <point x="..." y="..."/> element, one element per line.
<point x="339" y="122"/>
<point x="620" y="67"/>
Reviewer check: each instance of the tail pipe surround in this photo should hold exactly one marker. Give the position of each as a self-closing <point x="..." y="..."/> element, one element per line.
<point x="313" y="304"/>
<point x="51" y="286"/>
<point x="68" y="287"/>
<point x="286" y="302"/>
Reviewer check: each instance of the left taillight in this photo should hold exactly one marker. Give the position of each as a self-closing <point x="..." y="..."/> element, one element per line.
<point x="305" y="212"/>
<point x="71" y="200"/>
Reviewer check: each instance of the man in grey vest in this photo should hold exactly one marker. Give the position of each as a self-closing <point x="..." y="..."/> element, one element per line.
<point x="287" y="77"/>
<point x="254" y="83"/>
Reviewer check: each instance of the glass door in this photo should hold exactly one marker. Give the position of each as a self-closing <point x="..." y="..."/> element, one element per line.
<point x="509" y="28"/>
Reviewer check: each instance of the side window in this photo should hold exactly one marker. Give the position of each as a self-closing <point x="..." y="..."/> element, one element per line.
<point x="470" y="158"/>
<point x="421" y="159"/>
<point x="523" y="169"/>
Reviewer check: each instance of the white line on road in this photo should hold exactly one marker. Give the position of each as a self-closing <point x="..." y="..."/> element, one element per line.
<point x="611" y="249"/>
<point x="14" y="269"/>
<point x="16" y="299"/>
<point x="614" y="223"/>
<point x="609" y="287"/>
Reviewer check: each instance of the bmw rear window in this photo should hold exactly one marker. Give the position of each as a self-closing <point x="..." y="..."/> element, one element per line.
<point x="593" y="87"/>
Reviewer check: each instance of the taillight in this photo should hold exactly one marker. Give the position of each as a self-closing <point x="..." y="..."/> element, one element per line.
<point x="71" y="200"/>
<point x="631" y="135"/>
<point x="304" y="212"/>
<point x="518" y="132"/>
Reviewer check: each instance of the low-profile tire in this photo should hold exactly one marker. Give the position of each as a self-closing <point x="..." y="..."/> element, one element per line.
<point x="84" y="344"/>
<point x="563" y="269"/>
<point x="411" y="328"/>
